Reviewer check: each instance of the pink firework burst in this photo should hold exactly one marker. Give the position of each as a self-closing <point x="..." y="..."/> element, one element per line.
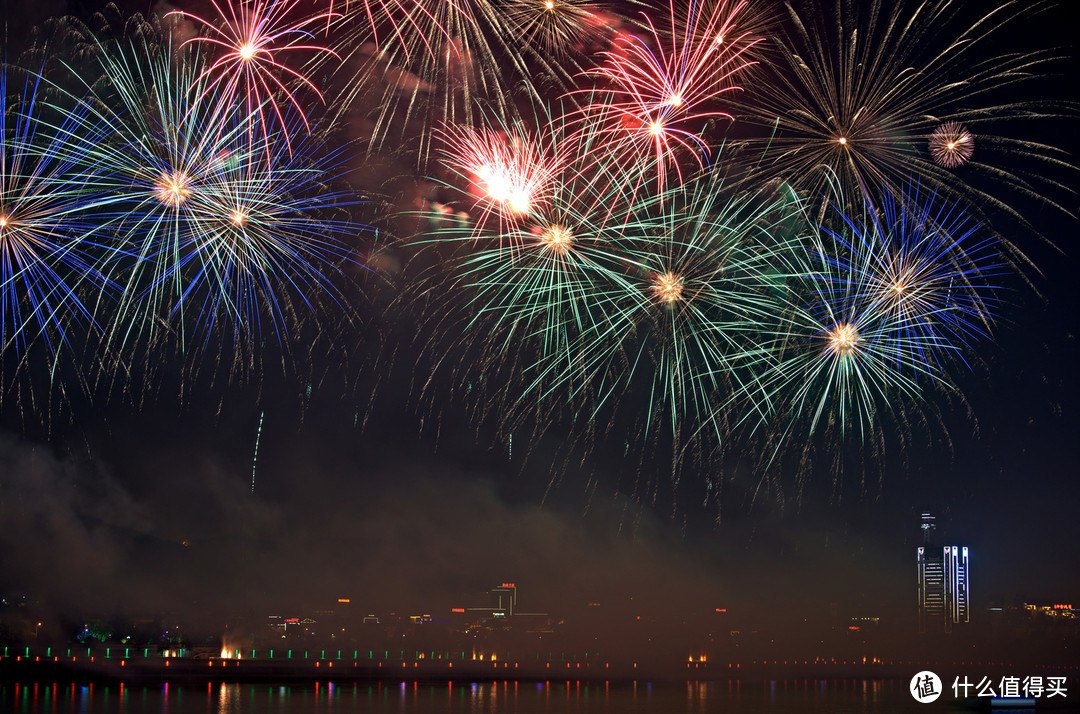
<point x="253" y="43"/>
<point x="663" y="87"/>
<point x="509" y="172"/>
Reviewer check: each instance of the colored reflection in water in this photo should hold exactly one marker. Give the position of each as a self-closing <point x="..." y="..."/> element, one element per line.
<point x="491" y="697"/>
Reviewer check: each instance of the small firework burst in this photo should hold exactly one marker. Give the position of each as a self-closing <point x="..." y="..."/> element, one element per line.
<point x="557" y="239"/>
<point x="951" y="145"/>
<point x="173" y="188"/>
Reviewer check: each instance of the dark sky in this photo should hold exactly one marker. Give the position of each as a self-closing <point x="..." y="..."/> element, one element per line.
<point x="398" y="514"/>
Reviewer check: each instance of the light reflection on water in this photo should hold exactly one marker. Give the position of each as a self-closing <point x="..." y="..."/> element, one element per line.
<point x="505" y="697"/>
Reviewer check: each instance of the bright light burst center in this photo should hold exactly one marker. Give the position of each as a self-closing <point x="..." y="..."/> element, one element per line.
<point x="173" y="189"/>
<point x="557" y="239"/>
<point x="842" y="339"/>
<point x="502" y="188"/>
<point x="668" y="287"/>
<point x="246" y="51"/>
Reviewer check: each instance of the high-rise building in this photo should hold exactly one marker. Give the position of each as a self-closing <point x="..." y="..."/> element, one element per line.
<point x="944" y="594"/>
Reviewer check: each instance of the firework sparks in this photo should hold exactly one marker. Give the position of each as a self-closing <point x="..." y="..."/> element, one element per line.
<point x="255" y="38"/>
<point x="661" y="88"/>
<point x="46" y="224"/>
<point x="951" y="145"/>
<point x="841" y="339"/>
<point x="554" y="26"/>
<point x="854" y="91"/>
<point x="214" y="222"/>
<point x="426" y="62"/>
<point x="667" y="287"/>
<point x="891" y="300"/>
<point x="510" y="170"/>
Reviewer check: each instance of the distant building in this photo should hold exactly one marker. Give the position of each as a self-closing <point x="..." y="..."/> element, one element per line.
<point x="506" y="595"/>
<point x="944" y="593"/>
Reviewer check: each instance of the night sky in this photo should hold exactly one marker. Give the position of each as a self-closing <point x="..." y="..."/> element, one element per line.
<point x="366" y="488"/>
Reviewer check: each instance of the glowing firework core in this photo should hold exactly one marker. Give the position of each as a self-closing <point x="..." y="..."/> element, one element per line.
<point x="842" y="140"/>
<point x="951" y="145"/>
<point x="668" y="287"/>
<point x="842" y="339"/>
<point x="239" y="217"/>
<point x="557" y="239"/>
<point x="549" y="4"/>
<point x="502" y="188"/>
<point x="246" y="51"/>
<point x="3" y="222"/>
<point x="173" y="189"/>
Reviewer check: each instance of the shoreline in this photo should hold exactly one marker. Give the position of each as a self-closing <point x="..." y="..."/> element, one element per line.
<point x="159" y="670"/>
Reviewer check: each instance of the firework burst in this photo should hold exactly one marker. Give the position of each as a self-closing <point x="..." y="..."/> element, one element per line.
<point x="891" y="300"/>
<point x="661" y="90"/>
<point x="254" y="41"/>
<point x="856" y="91"/>
<point x="47" y="256"/>
<point x="925" y="270"/>
<point x="213" y="222"/>
<point x="696" y="289"/>
<point x="510" y="171"/>
<point x="951" y="145"/>
<point x="539" y="275"/>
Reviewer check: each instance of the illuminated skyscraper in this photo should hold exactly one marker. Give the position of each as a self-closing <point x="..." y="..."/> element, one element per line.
<point x="944" y="595"/>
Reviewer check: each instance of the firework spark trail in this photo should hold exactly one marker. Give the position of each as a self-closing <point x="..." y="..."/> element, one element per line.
<point x="255" y="456"/>
<point x="422" y="62"/>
